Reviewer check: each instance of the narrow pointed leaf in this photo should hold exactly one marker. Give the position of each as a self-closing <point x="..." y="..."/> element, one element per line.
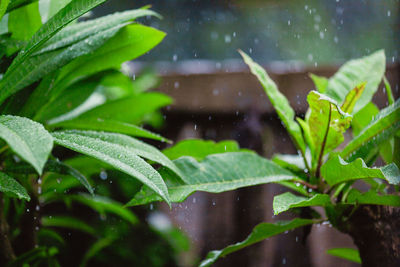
<point x="369" y="69"/>
<point x="260" y="232"/>
<point x="352" y="98"/>
<point x="216" y="173"/>
<point x="349" y="254"/>
<point x="286" y="201"/>
<point x="116" y="155"/>
<point x="372" y="198"/>
<point x="28" y="139"/>
<point x="389" y="91"/>
<point x="336" y="171"/>
<point x="69" y="223"/>
<point x="379" y="130"/>
<point x="321" y="83"/>
<point x="278" y="100"/>
<point x="12" y="188"/>
<point x="199" y="149"/>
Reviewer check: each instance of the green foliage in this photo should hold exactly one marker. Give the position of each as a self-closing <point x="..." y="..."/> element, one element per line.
<point x="11" y="187"/>
<point x="288" y="201"/>
<point x="345" y="253"/>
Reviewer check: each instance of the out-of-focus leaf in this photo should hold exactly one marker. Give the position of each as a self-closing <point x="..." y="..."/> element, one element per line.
<point x="28" y="139"/>
<point x="119" y="156"/>
<point x="48" y="8"/>
<point x="372" y="198"/>
<point x="389" y="92"/>
<point x="260" y="232"/>
<point x="279" y="101"/>
<point x="327" y="124"/>
<point x="362" y="118"/>
<point x="352" y="98"/>
<point x="12" y="188"/>
<point x="369" y="69"/>
<point x="216" y="173"/>
<point x="24" y="22"/>
<point x="385" y="125"/>
<point x="199" y="149"/>
<point x="349" y="254"/>
<point x="96" y="248"/>
<point x="69" y="223"/>
<point x="321" y="83"/>
<point x="3" y="7"/>
<point x="336" y="171"/>
<point x="14" y="4"/>
<point x="291" y="162"/>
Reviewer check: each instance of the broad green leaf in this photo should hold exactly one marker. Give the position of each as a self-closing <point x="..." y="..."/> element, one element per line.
<point x="372" y="198"/>
<point x="109" y="126"/>
<point x="119" y="156"/>
<point x="216" y="173"/>
<point x="369" y="69"/>
<point x="129" y="109"/>
<point x="336" y="171"/>
<point x="295" y="186"/>
<point x="24" y="22"/>
<point x="286" y="201"/>
<point x="3" y="7"/>
<point x="321" y="83"/>
<point x="36" y="67"/>
<point x="82" y="30"/>
<point x="279" y="101"/>
<point x="199" y="149"/>
<point x="349" y="254"/>
<point x="362" y="118"/>
<point x="385" y="124"/>
<point x="352" y="98"/>
<point x="28" y="139"/>
<point x="389" y="92"/>
<point x="260" y="232"/>
<point x="69" y="223"/>
<point x="105" y="205"/>
<point x="12" y="188"/>
<point x="131" y="42"/>
<point x="327" y="123"/>
<point x="291" y="162"/>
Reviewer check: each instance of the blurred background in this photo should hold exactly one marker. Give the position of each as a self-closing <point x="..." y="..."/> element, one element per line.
<point x="216" y="98"/>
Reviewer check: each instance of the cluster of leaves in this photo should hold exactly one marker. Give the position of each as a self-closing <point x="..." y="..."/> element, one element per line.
<point x="62" y="84"/>
<point x="322" y="173"/>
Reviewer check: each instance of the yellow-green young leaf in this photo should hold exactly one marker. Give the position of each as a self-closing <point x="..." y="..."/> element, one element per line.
<point x="352" y="98"/>
<point x="321" y="83"/>
<point x="385" y="125"/>
<point x="349" y="254"/>
<point x="369" y="69"/>
<point x="260" y="232"/>
<point x="28" y="139"/>
<point x="12" y="188"/>
<point x="199" y="149"/>
<point x="117" y="152"/>
<point x="24" y="22"/>
<point x="336" y="171"/>
<point x="286" y="201"/>
<point x="216" y="173"/>
<point x="327" y="123"/>
<point x="372" y="198"/>
<point x="278" y="100"/>
<point x="3" y="7"/>
<point x="69" y="223"/>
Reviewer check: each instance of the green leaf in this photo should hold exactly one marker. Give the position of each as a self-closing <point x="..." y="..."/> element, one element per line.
<point x="28" y="139"/>
<point x="24" y="22"/>
<point x="131" y="42"/>
<point x="336" y="171"/>
<point x="49" y="8"/>
<point x="3" y="7"/>
<point x="82" y="30"/>
<point x="379" y="130"/>
<point x="109" y="126"/>
<point x="199" y="149"/>
<point x="327" y="123"/>
<point x="279" y="101"/>
<point x="216" y="173"/>
<point x="369" y="69"/>
<point x="14" y="4"/>
<point x="69" y="223"/>
<point x="260" y="232"/>
<point x="104" y="204"/>
<point x="388" y="91"/>
<point x="372" y="198"/>
<point x="11" y="187"/>
<point x="96" y="248"/>
<point x="291" y="162"/>
<point x="349" y="254"/>
<point x="121" y="109"/>
<point x="119" y="156"/>
<point x="352" y="98"/>
<point x="362" y="118"/>
<point x="321" y="83"/>
<point x="286" y="201"/>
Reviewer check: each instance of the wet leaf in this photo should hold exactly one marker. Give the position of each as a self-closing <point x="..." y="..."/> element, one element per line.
<point x="352" y="98"/>
<point x="349" y="254"/>
<point x="286" y="201"/>
<point x="372" y="198"/>
<point x="12" y="188"/>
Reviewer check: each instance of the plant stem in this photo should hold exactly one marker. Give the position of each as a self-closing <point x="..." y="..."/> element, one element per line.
<point x="5" y="244"/>
<point x="312" y="186"/>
